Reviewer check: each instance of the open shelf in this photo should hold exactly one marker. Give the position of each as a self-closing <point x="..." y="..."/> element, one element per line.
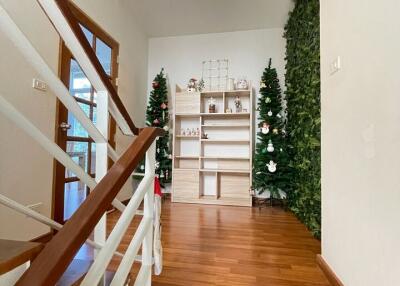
<point x="225" y="171"/>
<point x="233" y="125"/>
<point x="240" y="114"/>
<point x="187" y="157"/>
<point x="224" y="158"/>
<point x="229" y="141"/>
<point x="187" y="137"/>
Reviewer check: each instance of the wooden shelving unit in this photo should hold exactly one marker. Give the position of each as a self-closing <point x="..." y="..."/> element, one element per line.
<point x="216" y="170"/>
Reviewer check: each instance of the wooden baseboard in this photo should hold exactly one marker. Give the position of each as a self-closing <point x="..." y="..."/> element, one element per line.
<point x="330" y="275"/>
<point x="44" y="238"/>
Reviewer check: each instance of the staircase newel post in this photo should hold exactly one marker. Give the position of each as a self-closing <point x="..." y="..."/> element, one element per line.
<point x="147" y="247"/>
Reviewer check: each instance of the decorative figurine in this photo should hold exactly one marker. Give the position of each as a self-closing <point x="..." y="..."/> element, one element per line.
<point x="238" y="104"/>
<point x="204" y="136"/>
<point x="211" y="105"/>
<point x="188" y="133"/>
<point x="192" y="85"/>
<point x="183" y="132"/>
<point x="242" y="84"/>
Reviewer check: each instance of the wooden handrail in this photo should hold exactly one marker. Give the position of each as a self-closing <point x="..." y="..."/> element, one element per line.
<point x="52" y="262"/>
<point x="74" y="24"/>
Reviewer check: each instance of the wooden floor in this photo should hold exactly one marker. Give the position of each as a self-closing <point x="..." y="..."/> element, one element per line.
<point x="215" y="245"/>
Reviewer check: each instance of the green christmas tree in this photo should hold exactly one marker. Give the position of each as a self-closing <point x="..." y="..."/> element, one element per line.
<point x="157" y="115"/>
<point x="271" y="170"/>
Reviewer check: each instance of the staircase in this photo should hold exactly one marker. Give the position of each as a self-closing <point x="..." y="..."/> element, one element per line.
<point x="27" y="263"/>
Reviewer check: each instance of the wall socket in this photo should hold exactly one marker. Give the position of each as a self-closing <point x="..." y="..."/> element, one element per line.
<point x="335" y="66"/>
<point x="39" y="85"/>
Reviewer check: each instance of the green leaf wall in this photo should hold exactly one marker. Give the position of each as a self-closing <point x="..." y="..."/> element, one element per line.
<point x="303" y="89"/>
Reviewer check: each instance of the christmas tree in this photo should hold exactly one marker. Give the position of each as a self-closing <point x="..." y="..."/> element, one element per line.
<point x="271" y="171"/>
<point x="157" y="116"/>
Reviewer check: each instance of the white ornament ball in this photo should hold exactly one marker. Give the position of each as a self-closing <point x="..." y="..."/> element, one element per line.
<point x="270" y="113"/>
<point x="142" y="167"/>
<point x="166" y="128"/>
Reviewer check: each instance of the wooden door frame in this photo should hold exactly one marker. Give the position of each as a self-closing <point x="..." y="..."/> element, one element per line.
<point x="62" y="112"/>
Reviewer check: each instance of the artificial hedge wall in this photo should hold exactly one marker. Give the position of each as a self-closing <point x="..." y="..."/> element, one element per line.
<point x="303" y="88"/>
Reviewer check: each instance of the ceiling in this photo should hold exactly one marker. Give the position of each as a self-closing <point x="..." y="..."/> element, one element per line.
<point x="162" y="18"/>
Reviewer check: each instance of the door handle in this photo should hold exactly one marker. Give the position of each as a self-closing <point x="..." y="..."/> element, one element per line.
<point x="65" y="126"/>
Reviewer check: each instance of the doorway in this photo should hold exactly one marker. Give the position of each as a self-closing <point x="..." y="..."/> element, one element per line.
<point x="69" y="191"/>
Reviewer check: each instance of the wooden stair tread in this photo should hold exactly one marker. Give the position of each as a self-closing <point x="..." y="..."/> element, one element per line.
<point x="77" y="270"/>
<point x="14" y="253"/>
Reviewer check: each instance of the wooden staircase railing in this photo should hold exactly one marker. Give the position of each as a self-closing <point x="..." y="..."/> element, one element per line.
<point x="51" y="263"/>
<point x="54" y="259"/>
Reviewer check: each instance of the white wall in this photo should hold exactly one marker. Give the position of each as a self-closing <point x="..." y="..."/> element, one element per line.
<point x="361" y="140"/>
<point x="26" y="171"/>
<point x="248" y="52"/>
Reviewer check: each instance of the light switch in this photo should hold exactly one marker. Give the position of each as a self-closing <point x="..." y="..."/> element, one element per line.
<point x="335" y="66"/>
<point x="39" y="85"/>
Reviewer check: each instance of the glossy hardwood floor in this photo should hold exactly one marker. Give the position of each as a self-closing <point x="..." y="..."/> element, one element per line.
<point x="216" y="245"/>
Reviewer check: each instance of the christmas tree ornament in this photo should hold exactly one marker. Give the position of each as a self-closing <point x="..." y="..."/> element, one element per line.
<point x="272" y="166"/>
<point x="270" y="113"/>
<point x="283" y="131"/>
<point x="267" y="100"/>
<point x="157" y="165"/>
<point x="158" y="150"/>
<point x="265" y="128"/>
<point x="281" y="150"/>
<point x="142" y="167"/>
<point x="156" y="121"/>
<point x="270" y="147"/>
<point x="155" y="84"/>
<point x="275" y="131"/>
<point x="166" y="128"/>
<point x="263" y="85"/>
<point x="279" y="115"/>
<point x="164" y="105"/>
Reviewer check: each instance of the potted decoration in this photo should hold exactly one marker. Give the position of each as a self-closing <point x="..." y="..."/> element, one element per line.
<point x="211" y="105"/>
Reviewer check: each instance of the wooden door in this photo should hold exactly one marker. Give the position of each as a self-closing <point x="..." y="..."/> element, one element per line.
<point x="69" y="191"/>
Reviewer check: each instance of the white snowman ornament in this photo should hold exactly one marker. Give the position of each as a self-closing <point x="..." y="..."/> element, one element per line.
<point x="265" y="128"/>
<point x="271" y="166"/>
<point x="270" y="147"/>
